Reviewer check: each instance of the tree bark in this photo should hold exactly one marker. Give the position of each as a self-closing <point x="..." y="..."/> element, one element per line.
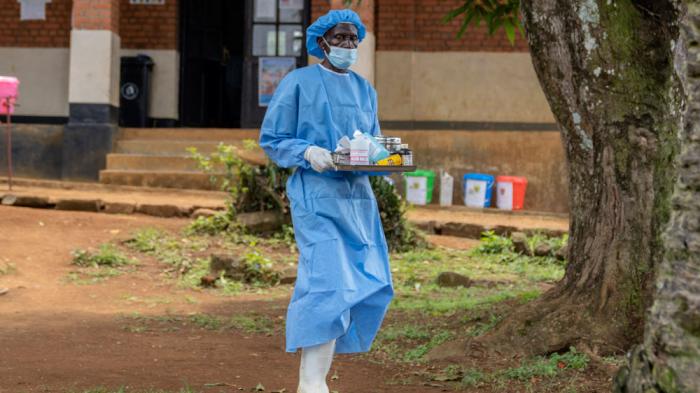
<point x="608" y="70"/>
<point x="669" y="359"/>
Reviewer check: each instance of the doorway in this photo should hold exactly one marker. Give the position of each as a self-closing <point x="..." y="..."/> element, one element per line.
<point x="212" y="38"/>
<point x="225" y="48"/>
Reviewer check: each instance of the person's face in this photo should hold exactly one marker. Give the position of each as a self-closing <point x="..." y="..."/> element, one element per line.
<point x="343" y="35"/>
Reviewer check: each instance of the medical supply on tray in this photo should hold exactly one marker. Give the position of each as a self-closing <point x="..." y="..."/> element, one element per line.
<point x="393" y="159"/>
<point x="380" y="150"/>
<point x="359" y="150"/>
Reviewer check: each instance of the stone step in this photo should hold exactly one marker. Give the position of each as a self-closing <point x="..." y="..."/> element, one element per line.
<point x="196" y="134"/>
<point x="161" y="179"/>
<point x="148" y="163"/>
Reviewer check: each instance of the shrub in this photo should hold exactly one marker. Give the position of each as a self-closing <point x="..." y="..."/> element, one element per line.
<point x="400" y="235"/>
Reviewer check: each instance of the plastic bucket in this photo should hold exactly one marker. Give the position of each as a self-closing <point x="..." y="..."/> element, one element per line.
<point x="511" y="192"/>
<point x="478" y="189"/>
<point x="419" y="187"/>
<point x="9" y="88"/>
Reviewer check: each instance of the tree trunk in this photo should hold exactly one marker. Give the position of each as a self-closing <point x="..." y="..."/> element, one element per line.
<point x="608" y="70"/>
<point x="669" y="360"/>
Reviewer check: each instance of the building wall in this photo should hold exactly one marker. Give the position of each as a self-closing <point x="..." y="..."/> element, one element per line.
<point x="153" y="30"/>
<point x="54" y="32"/>
<point x="165" y="85"/>
<point x="149" y="26"/>
<point x="459" y="86"/>
<point x="37" y="53"/>
<point x="418" y="25"/>
<point x="538" y="156"/>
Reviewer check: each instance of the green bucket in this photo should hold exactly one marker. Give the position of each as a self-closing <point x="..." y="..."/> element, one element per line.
<point x="419" y="186"/>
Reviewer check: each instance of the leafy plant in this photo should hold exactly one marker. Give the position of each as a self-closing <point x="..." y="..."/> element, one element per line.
<point x="494" y="244"/>
<point x="258" y="269"/>
<point x="400" y="234"/>
<point x="250" y="187"/>
<point x="212" y="225"/>
<point x="495" y="14"/>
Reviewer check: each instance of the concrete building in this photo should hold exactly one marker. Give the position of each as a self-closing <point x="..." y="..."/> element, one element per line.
<point x="465" y="105"/>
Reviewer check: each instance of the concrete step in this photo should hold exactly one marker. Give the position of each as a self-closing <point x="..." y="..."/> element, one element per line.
<point x="196" y="134"/>
<point x="163" y="147"/>
<point x="166" y="148"/>
<point x="161" y="179"/>
<point x="142" y="162"/>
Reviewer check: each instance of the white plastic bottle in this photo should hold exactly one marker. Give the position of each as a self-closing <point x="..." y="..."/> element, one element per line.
<point x="359" y="150"/>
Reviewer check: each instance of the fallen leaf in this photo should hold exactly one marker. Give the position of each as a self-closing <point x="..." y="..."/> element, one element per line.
<point x="260" y="388"/>
<point x="561" y="365"/>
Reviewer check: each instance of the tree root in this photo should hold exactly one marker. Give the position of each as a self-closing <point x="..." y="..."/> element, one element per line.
<point x="552" y="323"/>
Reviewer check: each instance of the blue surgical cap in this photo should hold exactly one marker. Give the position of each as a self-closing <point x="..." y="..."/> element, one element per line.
<point x="327" y="22"/>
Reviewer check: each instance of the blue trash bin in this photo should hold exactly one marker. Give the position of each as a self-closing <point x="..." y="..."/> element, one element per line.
<point x="477" y="189"/>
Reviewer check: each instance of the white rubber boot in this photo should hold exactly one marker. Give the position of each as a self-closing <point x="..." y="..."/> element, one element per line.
<point x="315" y="364"/>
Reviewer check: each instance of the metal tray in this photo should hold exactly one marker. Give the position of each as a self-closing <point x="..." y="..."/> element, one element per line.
<point x="375" y="168"/>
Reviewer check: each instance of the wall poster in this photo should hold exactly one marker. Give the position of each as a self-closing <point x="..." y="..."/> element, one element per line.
<point x="271" y="71"/>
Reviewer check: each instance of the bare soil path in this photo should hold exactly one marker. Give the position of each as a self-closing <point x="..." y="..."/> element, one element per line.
<point x="56" y="335"/>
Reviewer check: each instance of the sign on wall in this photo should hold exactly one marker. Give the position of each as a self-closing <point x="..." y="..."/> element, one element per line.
<point x="147" y="2"/>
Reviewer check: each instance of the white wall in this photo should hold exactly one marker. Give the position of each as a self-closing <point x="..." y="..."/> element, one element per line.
<point x="43" y="75"/>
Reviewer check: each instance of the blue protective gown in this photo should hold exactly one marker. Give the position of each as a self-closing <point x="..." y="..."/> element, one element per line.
<point x="343" y="284"/>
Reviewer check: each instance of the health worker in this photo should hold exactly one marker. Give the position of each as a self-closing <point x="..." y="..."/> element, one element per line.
<point x="344" y="285"/>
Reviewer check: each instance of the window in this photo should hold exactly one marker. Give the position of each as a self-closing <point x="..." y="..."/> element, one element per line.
<point x="277" y="29"/>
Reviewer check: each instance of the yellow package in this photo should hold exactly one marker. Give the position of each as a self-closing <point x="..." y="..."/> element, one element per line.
<point x="393" y="159"/>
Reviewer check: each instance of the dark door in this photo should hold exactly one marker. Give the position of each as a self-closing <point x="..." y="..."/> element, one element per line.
<point x="274" y="46"/>
<point x="212" y="51"/>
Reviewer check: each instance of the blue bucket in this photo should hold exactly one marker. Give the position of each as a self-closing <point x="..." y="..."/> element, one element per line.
<point x="477" y="189"/>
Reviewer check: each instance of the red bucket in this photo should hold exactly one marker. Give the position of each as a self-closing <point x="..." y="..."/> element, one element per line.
<point x="511" y="192"/>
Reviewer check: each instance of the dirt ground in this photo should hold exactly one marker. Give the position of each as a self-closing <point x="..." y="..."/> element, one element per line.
<point x="57" y="336"/>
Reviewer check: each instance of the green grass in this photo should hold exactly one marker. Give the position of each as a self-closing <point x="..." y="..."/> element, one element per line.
<point x="92" y="276"/>
<point x="409" y="342"/>
<point x="206" y="321"/>
<point x="249" y="323"/>
<point x="424" y="315"/>
<point x="541" y="367"/>
<point x="96" y="266"/>
<point x="546" y="367"/>
<point x="438" y="301"/>
<point x="252" y="324"/>
<point x="185" y="257"/>
<point x="107" y="255"/>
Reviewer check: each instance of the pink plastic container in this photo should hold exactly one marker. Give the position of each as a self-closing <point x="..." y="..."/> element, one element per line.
<point x="9" y="88"/>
